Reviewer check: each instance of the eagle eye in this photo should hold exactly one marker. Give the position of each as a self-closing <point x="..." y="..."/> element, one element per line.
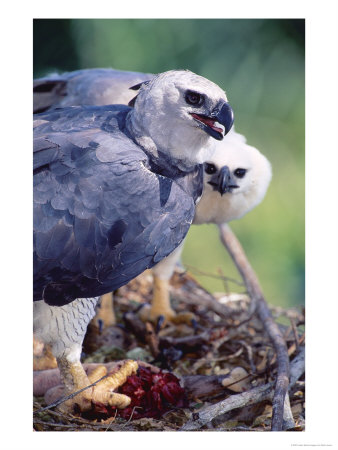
<point x="210" y="168"/>
<point x="239" y="173"/>
<point x="194" y="98"/>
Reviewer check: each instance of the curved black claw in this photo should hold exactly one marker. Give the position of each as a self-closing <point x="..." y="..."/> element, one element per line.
<point x="159" y="324"/>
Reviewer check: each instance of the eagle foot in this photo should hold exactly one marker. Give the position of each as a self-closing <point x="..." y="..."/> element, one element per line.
<point x="149" y="313"/>
<point x="101" y="393"/>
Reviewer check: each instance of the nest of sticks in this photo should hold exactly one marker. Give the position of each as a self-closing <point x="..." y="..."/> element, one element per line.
<point x="240" y="364"/>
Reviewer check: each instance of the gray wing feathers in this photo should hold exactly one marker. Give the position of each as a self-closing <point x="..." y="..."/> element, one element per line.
<point x="86" y="87"/>
<point x="100" y="218"/>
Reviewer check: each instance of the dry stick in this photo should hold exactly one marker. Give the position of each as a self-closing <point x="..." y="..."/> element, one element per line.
<point x="295" y="333"/>
<point x="261" y="393"/>
<point x="297" y="367"/>
<point x="203" y="298"/>
<point x="207" y="414"/>
<point x="68" y="397"/>
<point x="256" y="395"/>
<point x="212" y="275"/>
<point x="250" y="279"/>
<point x="289" y="422"/>
<point x="152" y="340"/>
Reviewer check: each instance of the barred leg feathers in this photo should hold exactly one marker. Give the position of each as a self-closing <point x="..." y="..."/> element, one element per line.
<point x="64" y="329"/>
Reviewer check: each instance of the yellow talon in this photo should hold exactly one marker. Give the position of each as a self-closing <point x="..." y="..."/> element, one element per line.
<point x="102" y="392"/>
<point x="160" y="305"/>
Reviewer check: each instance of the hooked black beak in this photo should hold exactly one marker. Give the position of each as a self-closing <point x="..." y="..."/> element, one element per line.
<point x="223" y="182"/>
<point x="224" y="116"/>
<point x="219" y="123"/>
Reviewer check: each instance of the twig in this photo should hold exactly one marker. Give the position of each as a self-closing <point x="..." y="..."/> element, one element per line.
<point x="203" y="298"/>
<point x="255" y="395"/>
<point x="93" y="426"/>
<point x="297" y="367"/>
<point x="293" y="347"/>
<point x="250" y="279"/>
<point x="198" y="386"/>
<point x="53" y="424"/>
<point x="74" y="419"/>
<point x="208" y="413"/>
<point x="112" y="421"/>
<point x="131" y="416"/>
<point x="212" y="275"/>
<point x="295" y="333"/>
<point x="186" y="343"/>
<point x="152" y="340"/>
<point x="68" y="397"/>
<point x="289" y="422"/>
<point x="250" y="357"/>
<point x="225" y="282"/>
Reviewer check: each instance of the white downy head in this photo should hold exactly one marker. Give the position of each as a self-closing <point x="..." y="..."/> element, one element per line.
<point x="249" y="175"/>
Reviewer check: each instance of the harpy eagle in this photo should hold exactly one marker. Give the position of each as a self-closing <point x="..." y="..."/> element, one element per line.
<point x="236" y="176"/>
<point x="114" y="193"/>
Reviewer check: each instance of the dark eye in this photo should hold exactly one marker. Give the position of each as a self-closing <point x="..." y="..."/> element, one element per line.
<point x="194" y="98"/>
<point x="210" y="168"/>
<point x="239" y="173"/>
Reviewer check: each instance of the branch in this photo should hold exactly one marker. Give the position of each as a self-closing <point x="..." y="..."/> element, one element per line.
<point x="250" y="279"/>
<point x="209" y="413"/>
<point x="191" y="294"/>
<point x="68" y="397"/>
<point x="256" y="395"/>
<point x="297" y="367"/>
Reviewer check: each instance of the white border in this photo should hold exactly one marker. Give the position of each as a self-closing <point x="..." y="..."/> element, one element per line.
<point x="321" y="221"/>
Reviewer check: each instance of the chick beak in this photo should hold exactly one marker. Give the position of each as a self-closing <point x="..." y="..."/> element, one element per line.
<point x="226" y="182"/>
<point x="223" y="182"/>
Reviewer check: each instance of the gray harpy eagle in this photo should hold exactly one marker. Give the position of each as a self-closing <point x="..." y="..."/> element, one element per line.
<point x="114" y="193"/>
<point x="236" y="176"/>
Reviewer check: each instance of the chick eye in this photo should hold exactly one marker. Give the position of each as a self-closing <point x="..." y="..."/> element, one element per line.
<point x="210" y="168"/>
<point x="239" y="173"/>
<point x="194" y="98"/>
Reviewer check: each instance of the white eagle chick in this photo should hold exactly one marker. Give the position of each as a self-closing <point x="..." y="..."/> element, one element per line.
<point x="236" y="179"/>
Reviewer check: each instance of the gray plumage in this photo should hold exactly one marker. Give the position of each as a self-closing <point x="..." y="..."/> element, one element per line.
<point x="115" y="188"/>
<point x="85" y="87"/>
<point x="89" y="236"/>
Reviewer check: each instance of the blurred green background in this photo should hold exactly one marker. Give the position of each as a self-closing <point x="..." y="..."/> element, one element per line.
<point x="260" y="64"/>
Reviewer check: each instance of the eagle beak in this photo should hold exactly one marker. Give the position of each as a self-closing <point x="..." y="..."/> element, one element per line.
<point x="219" y="123"/>
<point x="224" y="115"/>
<point x="223" y="181"/>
